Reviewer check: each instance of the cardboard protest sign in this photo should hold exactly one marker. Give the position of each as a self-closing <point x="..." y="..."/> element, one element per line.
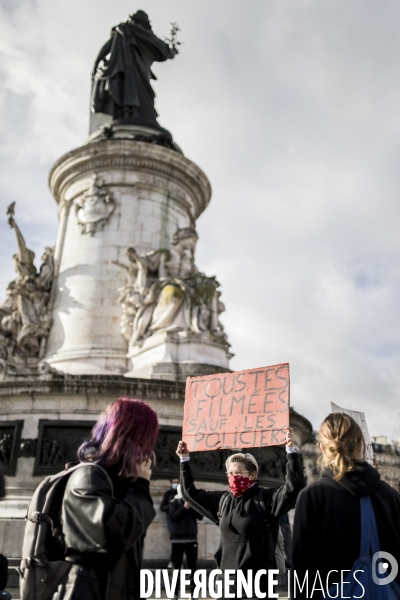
<point x="359" y="418"/>
<point x="245" y="409"/>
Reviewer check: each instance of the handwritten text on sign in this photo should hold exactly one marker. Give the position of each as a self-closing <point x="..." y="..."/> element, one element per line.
<point x="237" y="410"/>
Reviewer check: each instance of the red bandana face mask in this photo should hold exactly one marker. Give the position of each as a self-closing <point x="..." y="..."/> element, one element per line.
<point x="239" y="484"/>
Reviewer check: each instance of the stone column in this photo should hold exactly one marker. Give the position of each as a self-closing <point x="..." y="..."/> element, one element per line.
<point x="120" y="192"/>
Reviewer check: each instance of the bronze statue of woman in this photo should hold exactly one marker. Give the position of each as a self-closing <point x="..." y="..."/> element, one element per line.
<point x="122" y="72"/>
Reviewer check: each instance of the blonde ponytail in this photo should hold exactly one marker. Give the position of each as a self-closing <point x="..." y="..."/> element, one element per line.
<point x="341" y="438"/>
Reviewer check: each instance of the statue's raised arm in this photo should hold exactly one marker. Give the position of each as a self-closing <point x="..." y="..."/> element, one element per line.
<point x="122" y="71"/>
<point x="24" y="258"/>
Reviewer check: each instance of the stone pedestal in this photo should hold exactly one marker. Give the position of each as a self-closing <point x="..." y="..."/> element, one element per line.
<point x="112" y="193"/>
<point x="177" y="355"/>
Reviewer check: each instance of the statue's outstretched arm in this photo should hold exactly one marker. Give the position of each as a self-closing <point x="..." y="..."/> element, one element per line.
<point x="121" y="266"/>
<point x="23" y="251"/>
<point x="131" y="271"/>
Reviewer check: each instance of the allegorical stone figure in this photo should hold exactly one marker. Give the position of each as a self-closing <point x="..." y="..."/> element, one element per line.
<point x="165" y="291"/>
<point x="122" y="71"/>
<point x="24" y="317"/>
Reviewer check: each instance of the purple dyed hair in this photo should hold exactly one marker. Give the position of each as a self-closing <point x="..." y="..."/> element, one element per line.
<point x="125" y="434"/>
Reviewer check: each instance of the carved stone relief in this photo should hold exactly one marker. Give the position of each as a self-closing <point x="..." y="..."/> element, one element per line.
<point x="10" y="437"/>
<point x="94" y="207"/>
<point x="166" y="292"/>
<point x="197" y="187"/>
<point x="58" y="443"/>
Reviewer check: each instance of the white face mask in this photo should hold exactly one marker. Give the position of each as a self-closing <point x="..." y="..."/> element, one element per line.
<point x="174" y="486"/>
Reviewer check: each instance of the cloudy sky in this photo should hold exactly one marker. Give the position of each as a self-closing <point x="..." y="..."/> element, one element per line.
<point x="291" y="107"/>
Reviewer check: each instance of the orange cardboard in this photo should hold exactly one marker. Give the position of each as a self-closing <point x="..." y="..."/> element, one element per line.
<point x="244" y="409"/>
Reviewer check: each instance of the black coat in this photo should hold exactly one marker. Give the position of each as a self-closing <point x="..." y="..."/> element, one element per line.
<point x="166" y="499"/>
<point x="184" y="520"/>
<point x="245" y="543"/>
<point x="104" y="534"/>
<point x="327" y="524"/>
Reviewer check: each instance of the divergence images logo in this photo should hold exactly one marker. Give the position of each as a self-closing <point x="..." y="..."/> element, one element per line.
<point x="382" y="567"/>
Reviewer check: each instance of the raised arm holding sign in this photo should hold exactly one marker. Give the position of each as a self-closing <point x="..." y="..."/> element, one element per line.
<point x="241" y="410"/>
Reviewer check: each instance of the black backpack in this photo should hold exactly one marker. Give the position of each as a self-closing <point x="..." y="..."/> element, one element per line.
<point x="43" y="564"/>
<point x="279" y="549"/>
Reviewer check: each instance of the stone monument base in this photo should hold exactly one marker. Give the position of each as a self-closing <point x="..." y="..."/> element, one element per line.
<point x="123" y="130"/>
<point x="89" y="361"/>
<point x="177" y="355"/>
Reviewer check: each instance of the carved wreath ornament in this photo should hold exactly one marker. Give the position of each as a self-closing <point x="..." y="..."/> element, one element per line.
<point x="94" y="207"/>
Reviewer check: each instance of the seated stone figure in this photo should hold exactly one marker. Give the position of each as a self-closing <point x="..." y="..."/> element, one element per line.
<point x="167" y="292"/>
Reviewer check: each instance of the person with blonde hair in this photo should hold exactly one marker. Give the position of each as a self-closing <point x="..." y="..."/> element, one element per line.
<point x="248" y="515"/>
<point x="329" y="512"/>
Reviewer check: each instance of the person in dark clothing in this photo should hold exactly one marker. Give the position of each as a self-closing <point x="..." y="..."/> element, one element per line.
<point x="246" y="543"/>
<point x="164" y="507"/>
<point x="327" y="523"/>
<point x="184" y="532"/>
<point x="106" y="511"/>
<point x="168" y="496"/>
<point x="166" y="499"/>
<point x="3" y="572"/>
<point x="284" y="524"/>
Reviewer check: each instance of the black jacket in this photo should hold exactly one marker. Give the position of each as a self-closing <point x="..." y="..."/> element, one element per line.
<point x="245" y="543"/>
<point x="104" y="534"/>
<point x="184" y="520"/>
<point x="327" y="524"/>
<point x="166" y="499"/>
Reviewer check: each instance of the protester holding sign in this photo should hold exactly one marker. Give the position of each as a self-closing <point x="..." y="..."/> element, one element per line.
<point x="248" y="535"/>
<point x="335" y="516"/>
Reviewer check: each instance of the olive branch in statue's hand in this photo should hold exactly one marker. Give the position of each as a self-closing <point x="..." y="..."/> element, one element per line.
<point x="173" y="39"/>
<point x="10" y="214"/>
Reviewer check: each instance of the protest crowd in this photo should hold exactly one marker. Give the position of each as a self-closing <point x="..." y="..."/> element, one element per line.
<point x="86" y="526"/>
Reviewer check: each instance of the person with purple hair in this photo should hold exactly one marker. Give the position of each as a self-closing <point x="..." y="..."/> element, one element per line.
<point x="107" y="506"/>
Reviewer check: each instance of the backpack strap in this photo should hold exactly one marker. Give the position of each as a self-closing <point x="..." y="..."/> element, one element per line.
<point x="40" y="517"/>
<point x="223" y="501"/>
<point x="369" y="532"/>
<point x="84" y="464"/>
<point x="98" y="467"/>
